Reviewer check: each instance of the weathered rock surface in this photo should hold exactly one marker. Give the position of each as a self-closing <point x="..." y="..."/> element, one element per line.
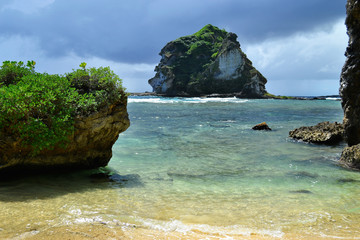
<point x="261" y="126"/>
<point x="350" y="86"/>
<point x="322" y="133"/>
<point x="89" y="147"/>
<point x="350" y="76"/>
<point x="209" y="61"/>
<point x="350" y="156"/>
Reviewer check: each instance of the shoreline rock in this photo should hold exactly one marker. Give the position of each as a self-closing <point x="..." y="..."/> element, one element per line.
<point x="350" y="157"/>
<point x="350" y="87"/>
<point x="322" y="133"/>
<point x="90" y="146"/>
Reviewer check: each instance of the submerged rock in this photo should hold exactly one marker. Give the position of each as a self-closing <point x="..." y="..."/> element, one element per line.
<point x="89" y="147"/>
<point x="207" y="62"/>
<point x="347" y="180"/>
<point x="261" y="126"/>
<point x="129" y="180"/>
<point x="350" y="87"/>
<point x="303" y="191"/>
<point x="322" y="133"/>
<point x="302" y="174"/>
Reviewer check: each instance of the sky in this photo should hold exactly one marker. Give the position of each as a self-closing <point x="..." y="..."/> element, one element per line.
<point x="298" y="46"/>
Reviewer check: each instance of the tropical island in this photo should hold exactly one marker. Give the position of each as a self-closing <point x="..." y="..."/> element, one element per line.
<point x="209" y="61"/>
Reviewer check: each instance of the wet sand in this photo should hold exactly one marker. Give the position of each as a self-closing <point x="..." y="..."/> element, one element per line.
<point x="100" y="232"/>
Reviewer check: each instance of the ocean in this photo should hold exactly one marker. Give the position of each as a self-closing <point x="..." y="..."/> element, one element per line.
<point x="195" y="166"/>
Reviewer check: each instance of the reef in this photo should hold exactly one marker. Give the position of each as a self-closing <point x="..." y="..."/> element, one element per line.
<point x="322" y="133"/>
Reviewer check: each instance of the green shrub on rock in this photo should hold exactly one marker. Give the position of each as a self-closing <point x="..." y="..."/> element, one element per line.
<point x="12" y="71"/>
<point x="100" y="84"/>
<point x="40" y="109"/>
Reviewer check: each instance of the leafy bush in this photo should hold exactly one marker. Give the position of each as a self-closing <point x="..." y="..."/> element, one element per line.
<point x="11" y="72"/>
<point x="40" y="109"/>
<point x="101" y="85"/>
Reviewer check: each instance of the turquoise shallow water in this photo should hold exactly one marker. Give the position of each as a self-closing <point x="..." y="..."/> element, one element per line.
<point x="195" y="164"/>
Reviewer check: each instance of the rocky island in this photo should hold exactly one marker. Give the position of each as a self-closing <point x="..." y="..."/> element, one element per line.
<point x="207" y="62"/>
<point x="52" y="122"/>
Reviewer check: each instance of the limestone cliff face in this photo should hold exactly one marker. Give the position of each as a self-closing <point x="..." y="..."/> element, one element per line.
<point x="350" y="82"/>
<point x="89" y="147"/>
<point x="350" y="77"/>
<point x="209" y="61"/>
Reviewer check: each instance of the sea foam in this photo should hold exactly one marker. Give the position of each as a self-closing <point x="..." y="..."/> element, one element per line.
<point x="188" y="229"/>
<point x="184" y="100"/>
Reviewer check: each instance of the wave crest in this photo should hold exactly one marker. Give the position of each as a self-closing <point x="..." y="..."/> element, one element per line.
<point x="184" y="100"/>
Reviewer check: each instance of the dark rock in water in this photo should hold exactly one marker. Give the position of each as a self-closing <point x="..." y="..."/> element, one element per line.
<point x="350" y="156"/>
<point x="207" y="62"/>
<point x="322" y="133"/>
<point x="185" y="175"/>
<point x="303" y="174"/>
<point x="261" y="126"/>
<point x="350" y="87"/>
<point x="130" y="180"/>
<point x="347" y="180"/>
<point x="302" y="191"/>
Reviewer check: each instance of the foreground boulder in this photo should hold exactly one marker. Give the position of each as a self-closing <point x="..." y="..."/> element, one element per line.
<point x="350" y="87"/>
<point x="89" y="147"/>
<point x="322" y="133"/>
<point x="207" y="62"/>
<point x="71" y="125"/>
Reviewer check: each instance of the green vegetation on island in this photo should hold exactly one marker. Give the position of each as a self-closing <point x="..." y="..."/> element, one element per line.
<point x="40" y="109"/>
<point x="209" y="61"/>
<point x="269" y="95"/>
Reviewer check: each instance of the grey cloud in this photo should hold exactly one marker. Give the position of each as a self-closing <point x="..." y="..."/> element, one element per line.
<point x="136" y="30"/>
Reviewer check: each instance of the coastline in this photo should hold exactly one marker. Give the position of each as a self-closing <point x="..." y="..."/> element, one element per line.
<point x="236" y="95"/>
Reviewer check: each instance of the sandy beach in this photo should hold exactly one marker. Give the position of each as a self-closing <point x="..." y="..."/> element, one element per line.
<point x="100" y="232"/>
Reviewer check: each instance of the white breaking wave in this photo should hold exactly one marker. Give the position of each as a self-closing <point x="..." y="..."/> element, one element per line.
<point x="333" y="98"/>
<point x="184" y="100"/>
<point x="178" y="226"/>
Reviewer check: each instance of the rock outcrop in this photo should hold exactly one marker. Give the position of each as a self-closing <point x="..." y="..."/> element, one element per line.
<point x="350" y="86"/>
<point x="207" y="62"/>
<point x="350" y="76"/>
<point x="322" y="133"/>
<point x="350" y="156"/>
<point x="89" y="147"/>
<point x="261" y="126"/>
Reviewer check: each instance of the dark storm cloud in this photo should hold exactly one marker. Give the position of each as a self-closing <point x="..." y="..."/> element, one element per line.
<point x="136" y="30"/>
